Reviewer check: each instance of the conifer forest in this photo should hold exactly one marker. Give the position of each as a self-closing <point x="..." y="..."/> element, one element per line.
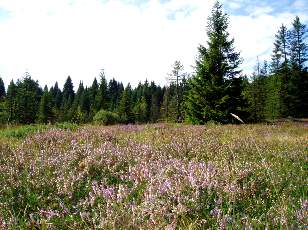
<point x="212" y="149"/>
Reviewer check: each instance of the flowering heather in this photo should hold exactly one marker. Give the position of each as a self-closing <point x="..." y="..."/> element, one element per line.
<point x="156" y="176"/>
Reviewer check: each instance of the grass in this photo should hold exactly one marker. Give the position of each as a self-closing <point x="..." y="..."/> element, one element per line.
<point x="154" y="176"/>
<point x="21" y="132"/>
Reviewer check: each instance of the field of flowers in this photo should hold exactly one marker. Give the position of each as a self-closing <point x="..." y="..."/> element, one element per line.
<point x="160" y="176"/>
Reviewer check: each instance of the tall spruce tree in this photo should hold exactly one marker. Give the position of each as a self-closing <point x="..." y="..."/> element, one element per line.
<point x="256" y="93"/>
<point x="177" y="76"/>
<point x="125" y="109"/>
<point x="299" y="49"/>
<point x="68" y="96"/>
<point x="2" y="89"/>
<point x="101" y="97"/>
<point x="11" y="101"/>
<point x="283" y="72"/>
<point x="211" y="88"/>
<point x="68" y="90"/>
<point x="298" y="85"/>
<point x="75" y="111"/>
<point x="3" y="110"/>
<point x="85" y="105"/>
<point x="115" y="90"/>
<point x="56" y="95"/>
<point x="46" y="112"/>
<point x="92" y="94"/>
<point x="140" y="110"/>
<point x="28" y="95"/>
<point x="282" y="42"/>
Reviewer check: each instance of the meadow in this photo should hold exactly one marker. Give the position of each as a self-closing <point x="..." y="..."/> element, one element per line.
<point x="159" y="176"/>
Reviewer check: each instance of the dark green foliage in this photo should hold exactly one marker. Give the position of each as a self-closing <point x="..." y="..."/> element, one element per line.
<point x="177" y="77"/>
<point x="3" y="109"/>
<point x="298" y="85"/>
<point x="46" y="113"/>
<point x="11" y="101"/>
<point x="27" y="99"/>
<point x="299" y="49"/>
<point x="68" y="90"/>
<point x="169" y="110"/>
<point x="273" y="102"/>
<point x="282" y="43"/>
<point x="56" y="95"/>
<point x="115" y="90"/>
<point x="125" y="109"/>
<point x="100" y="93"/>
<point x="286" y="85"/>
<point x="256" y="94"/>
<point x="85" y="105"/>
<point x="289" y="75"/>
<point x="214" y="90"/>
<point x="3" y="113"/>
<point x="67" y="100"/>
<point x="155" y="102"/>
<point x="106" y="118"/>
<point x="140" y="110"/>
<point x="2" y="89"/>
<point x="77" y="114"/>
<point x="92" y="95"/>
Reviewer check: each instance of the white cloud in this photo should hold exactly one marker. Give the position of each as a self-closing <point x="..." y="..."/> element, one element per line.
<point x="300" y="4"/>
<point x="55" y="38"/>
<point x="52" y="39"/>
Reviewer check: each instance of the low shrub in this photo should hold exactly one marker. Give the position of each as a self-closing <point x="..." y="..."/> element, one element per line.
<point x="106" y="118"/>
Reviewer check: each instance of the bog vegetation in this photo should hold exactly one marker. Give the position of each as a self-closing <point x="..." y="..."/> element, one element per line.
<point x="155" y="176"/>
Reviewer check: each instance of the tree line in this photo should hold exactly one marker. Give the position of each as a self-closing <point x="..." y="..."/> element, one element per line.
<point x="216" y="91"/>
<point x="25" y="102"/>
<point x="279" y="89"/>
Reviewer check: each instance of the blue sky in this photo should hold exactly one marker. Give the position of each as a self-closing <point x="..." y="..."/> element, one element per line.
<point x="131" y="39"/>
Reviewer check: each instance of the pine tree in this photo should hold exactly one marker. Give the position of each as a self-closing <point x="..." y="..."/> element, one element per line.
<point x="140" y="110"/>
<point x="46" y="113"/>
<point x="278" y="95"/>
<point x="211" y="89"/>
<point x="169" y="111"/>
<point x="115" y="90"/>
<point x="3" y="110"/>
<point x="92" y="95"/>
<point x="75" y="112"/>
<point x="299" y="49"/>
<point x="125" y="106"/>
<point x="101" y="97"/>
<point x="257" y="94"/>
<point x="2" y="89"/>
<point x="11" y="101"/>
<point x="282" y="38"/>
<point x="68" y="90"/>
<point x="85" y="105"/>
<point x="273" y="100"/>
<point x="68" y="96"/>
<point x="177" y="76"/>
<point x="298" y="85"/>
<point x="282" y="42"/>
<point x="146" y="93"/>
<point x="28" y="95"/>
<point x="56" y="95"/>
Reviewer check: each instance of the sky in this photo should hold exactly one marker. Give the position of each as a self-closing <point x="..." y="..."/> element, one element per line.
<point x="132" y="40"/>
